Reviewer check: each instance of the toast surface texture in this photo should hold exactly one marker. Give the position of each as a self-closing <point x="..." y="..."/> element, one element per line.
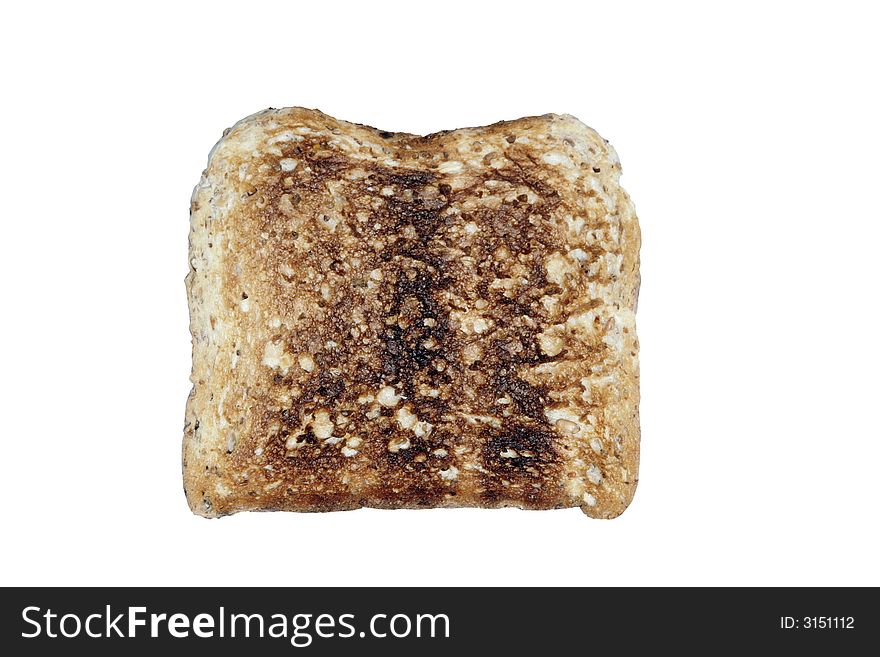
<point x="395" y="321"/>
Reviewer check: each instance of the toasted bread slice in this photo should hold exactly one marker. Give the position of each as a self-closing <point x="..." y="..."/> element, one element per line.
<point x="388" y="320"/>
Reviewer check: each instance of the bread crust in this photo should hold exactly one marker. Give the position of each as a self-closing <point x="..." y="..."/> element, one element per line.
<point x="398" y="321"/>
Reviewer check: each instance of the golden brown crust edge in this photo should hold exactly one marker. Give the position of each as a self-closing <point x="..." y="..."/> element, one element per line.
<point x="567" y="429"/>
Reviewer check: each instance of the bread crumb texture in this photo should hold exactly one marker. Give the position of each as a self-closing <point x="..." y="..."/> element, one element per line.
<point x="389" y="320"/>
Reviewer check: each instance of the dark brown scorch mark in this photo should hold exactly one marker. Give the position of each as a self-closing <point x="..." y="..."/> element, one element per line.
<point x="517" y="459"/>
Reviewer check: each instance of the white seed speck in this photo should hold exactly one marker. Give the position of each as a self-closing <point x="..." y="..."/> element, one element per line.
<point x="406" y="419"/>
<point x="596" y="445"/>
<point x="322" y="425"/>
<point x="273" y="354"/>
<point x="556" y="158"/>
<point x="453" y="166"/>
<point x="397" y="444"/>
<point x="509" y="453"/>
<point x="348" y="452"/>
<point x="594" y="474"/>
<point x="440" y="452"/>
<point x="551" y="345"/>
<point x="284" y="136"/>
<point x="470" y="228"/>
<point x="557" y="268"/>
<point x="578" y="254"/>
<point x="423" y="429"/>
<point x="480" y="325"/>
<point x="449" y="474"/>
<point x="589" y="500"/>
<point x="288" y="164"/>
<point x="387" y="397"/>
<point x="306" y="362"/>
<point x="568" y="427"/>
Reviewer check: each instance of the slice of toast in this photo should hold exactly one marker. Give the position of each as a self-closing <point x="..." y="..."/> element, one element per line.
<point x="387" y="320"/>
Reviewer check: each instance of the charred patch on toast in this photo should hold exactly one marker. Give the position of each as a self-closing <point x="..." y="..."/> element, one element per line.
<point x="519" y="460"/>
<point x="524" y="445"/>
<point x="420" y="335"/>
<point x="528" y="399"/>
<point x="407" y="472"/>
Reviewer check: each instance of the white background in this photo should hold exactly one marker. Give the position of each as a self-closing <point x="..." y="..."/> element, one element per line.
<point x="750" y="143"/>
